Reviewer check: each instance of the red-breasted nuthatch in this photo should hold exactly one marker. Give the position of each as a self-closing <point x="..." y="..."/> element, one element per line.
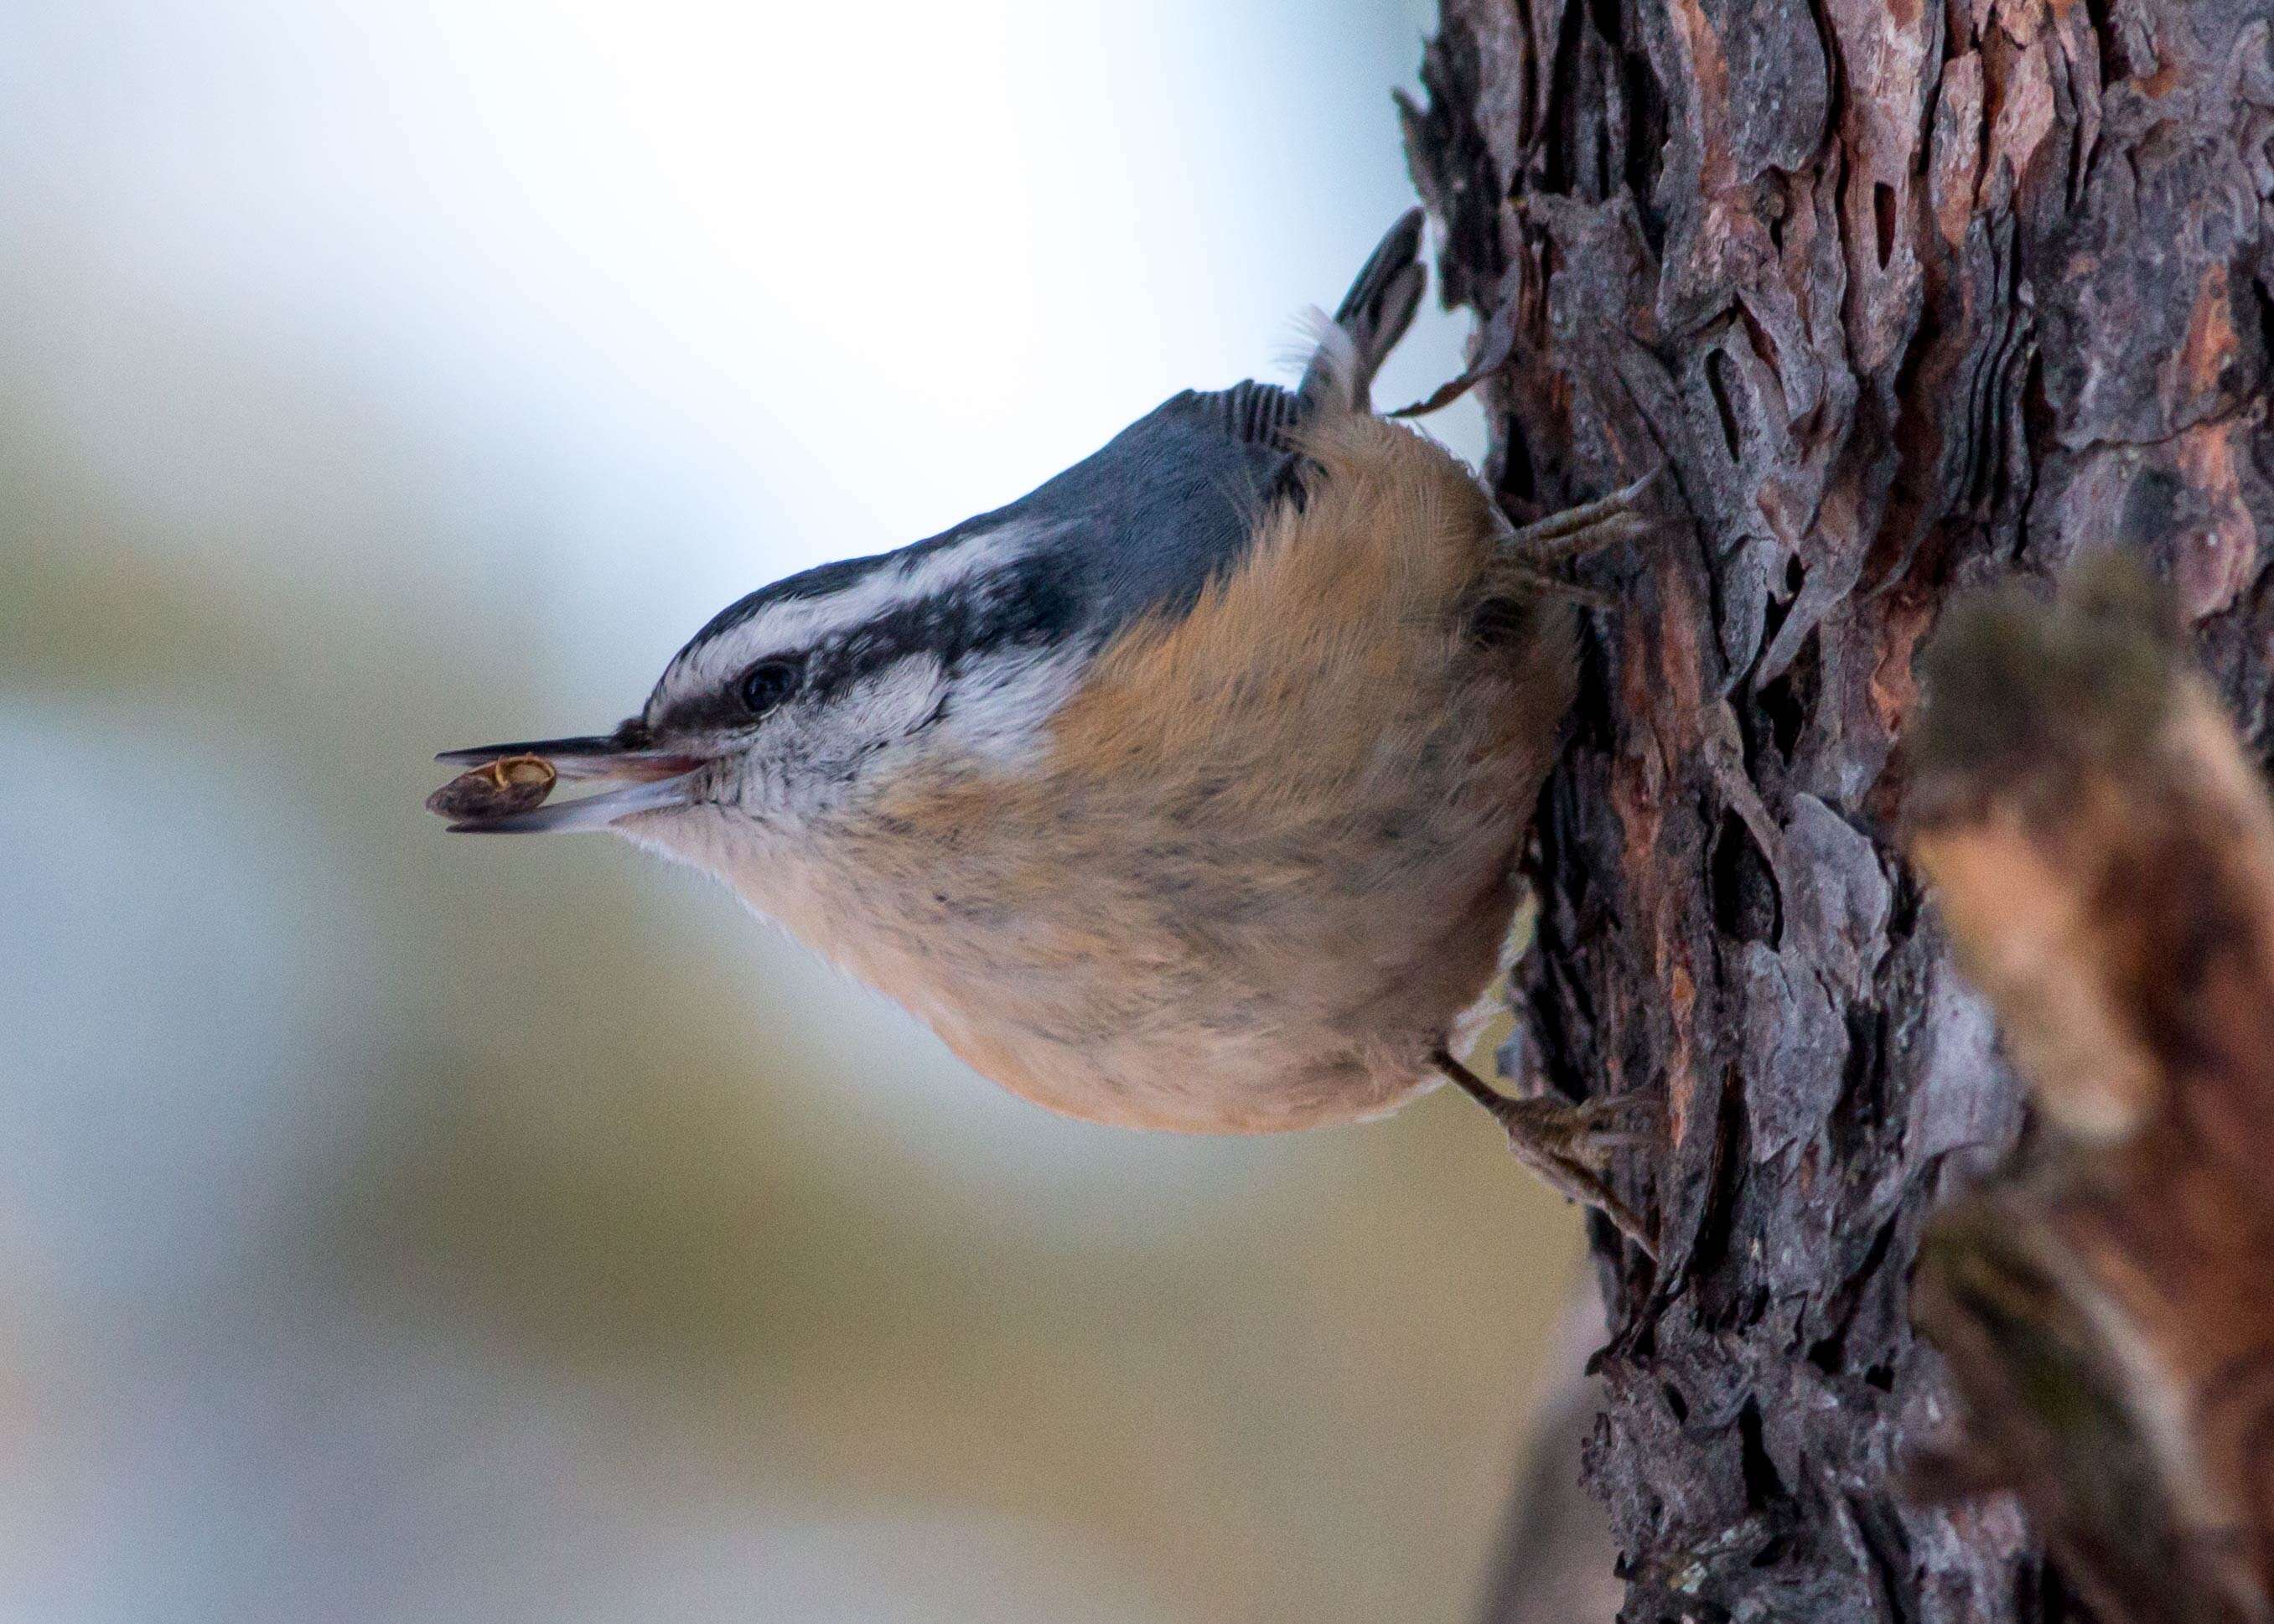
<point x="1184" y="792"/>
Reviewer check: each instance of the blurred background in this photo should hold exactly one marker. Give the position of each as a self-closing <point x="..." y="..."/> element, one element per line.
<point x="395" y="1228"/>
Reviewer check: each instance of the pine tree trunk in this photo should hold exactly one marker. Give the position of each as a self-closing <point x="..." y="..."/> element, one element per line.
<point x="1905" y="296"/>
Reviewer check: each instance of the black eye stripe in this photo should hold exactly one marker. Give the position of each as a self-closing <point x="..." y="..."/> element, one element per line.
<point x="1032" y="604"/>
<point x="1017" y="607"/>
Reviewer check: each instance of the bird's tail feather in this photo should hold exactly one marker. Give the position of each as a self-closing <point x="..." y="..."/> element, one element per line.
<point x="1374" y="316"/>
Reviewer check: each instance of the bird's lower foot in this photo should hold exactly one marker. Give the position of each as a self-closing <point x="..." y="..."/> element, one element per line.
<point x="1589" y="528"/>
<point x="1569" y="1144"/>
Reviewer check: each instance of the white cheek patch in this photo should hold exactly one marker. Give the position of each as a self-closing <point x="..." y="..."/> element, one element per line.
<point x="811" y="763"/>
<point x="995" y="709"/>
<point x="895" y="702"/>
<point x="1001" y="710"/>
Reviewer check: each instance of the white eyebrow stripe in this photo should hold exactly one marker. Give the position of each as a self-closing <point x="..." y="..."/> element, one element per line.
<point x="799" y="623"/>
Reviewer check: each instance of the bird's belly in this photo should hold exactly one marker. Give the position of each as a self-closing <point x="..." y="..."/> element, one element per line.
<point x="1192" y="1082"/>
<point x="1323" y="1009"/>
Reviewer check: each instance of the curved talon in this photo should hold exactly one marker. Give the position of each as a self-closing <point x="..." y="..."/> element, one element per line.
<point x="1630" y="1118"/>
<point x="1635" y="1102"/>
<point x="1575" y="532"/>
<point x="1577" y="1182"/>
<point x="1627" y="1223"/>
<point x="1621" y="1139"/>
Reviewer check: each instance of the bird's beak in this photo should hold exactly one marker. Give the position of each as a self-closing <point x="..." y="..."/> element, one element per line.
<point x="653" y="780"/>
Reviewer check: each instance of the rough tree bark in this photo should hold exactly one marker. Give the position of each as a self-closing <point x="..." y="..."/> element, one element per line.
<point x="1906" y="296"/>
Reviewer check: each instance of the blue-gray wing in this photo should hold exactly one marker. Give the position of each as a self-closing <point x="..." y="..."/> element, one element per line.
<point x="1174" y="499"/>
<point x="1171" y="501"/>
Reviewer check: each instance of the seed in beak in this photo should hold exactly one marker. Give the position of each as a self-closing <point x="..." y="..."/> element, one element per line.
<point x="495" y="789"/>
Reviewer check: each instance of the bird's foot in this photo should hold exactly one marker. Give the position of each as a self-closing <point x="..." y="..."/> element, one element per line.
<point x="1575" y="532"/>
<point x="1570" y="1145"/>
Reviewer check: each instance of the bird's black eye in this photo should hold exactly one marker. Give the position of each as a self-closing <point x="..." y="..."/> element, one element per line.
<point x="766" y="684"/>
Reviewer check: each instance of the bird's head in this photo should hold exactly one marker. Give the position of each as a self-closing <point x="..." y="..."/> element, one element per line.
<point x="783" y="717"/>
<point x="789" y="711"/>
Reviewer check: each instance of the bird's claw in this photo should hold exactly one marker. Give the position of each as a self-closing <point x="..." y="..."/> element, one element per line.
<point x="1570" y="1146"/>
<point x="1585" y="1131"/>
<point x="1575" y="532"/>
<point x="1569" y="1143"/>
